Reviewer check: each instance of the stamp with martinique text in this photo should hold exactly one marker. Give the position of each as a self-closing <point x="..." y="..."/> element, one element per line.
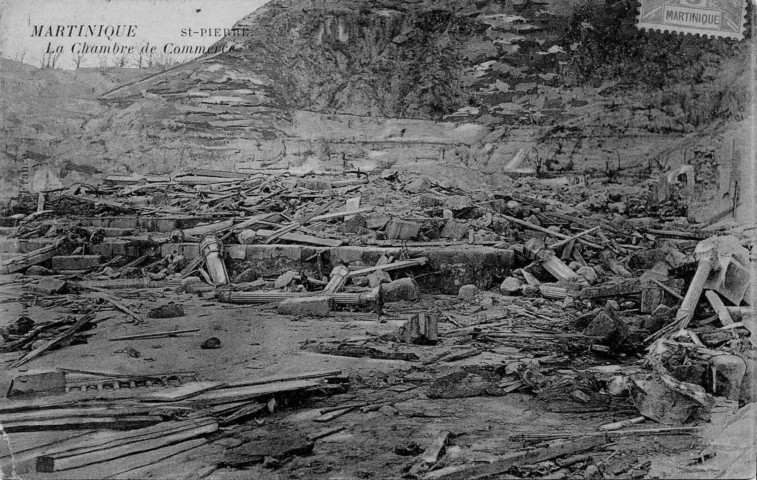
<point x="716" y="18"/>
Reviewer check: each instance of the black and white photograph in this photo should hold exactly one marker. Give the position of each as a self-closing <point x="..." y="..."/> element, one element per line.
<point x="378" y="239"/>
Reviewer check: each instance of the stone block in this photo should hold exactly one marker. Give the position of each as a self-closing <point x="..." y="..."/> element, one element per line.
<point x="428" y="200"/>
<point x="418" y="185"/>
<point x="510" y="286"/>
<point x="76" y="262"/>
<point x="319" y="306"/>
<point x="457" y="266"/>
<point x="457" y="203"/>
<point x="398" y="290"/>
<point x="467" y="292"/>
<point x="398" y="229"/>
<point x="455" y="230"/>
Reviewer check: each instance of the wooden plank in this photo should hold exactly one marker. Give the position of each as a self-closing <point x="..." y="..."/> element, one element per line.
<point x="85" y="412"/>
<point x="83" y="457"/>
<point x="172" y="459"/>
<point x="26" y="441"/>
<point x="719" y="307"/>
<point x="201" y="230"/>
<point x="183" y="392"/>
<point x="390" y="266"/>
<point x="103" y="439"/>
<point x="228" y="395"/>
<point x="431" y="454"/>
<point x="549" y="232"/>
<point x="325" y="433"/>
<point x="55" y="341"/>
<point x="566" y="241"/>
<point x="554" y="449"/>
<point x="330" y="216"/>
<point x="32" y="258"/>
<point x="351" y="204"/>
<point x="327" y="417"/>
<point x="281" y="232"/>
<point x="80" y="423"/>
<point x="306" y="239"/>
<point x="170" y="333"/>
<point x="285" y="378"/>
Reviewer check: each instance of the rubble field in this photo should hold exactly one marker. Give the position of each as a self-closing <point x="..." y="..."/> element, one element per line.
<point x="217" y="324"/>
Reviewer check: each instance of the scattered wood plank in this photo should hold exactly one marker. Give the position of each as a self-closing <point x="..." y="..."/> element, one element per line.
<point x="537" y="228"/>
<point x="81" y="412"/>
<point x="621" y="424"/>
<point x="32" y="258"/>
<point x="330" y="216"/>
<point x="82" y="423"/>
<point x="719" y="307"/>
<point x="285" y="378"/>
<point x="215" y="227"/>
<point x="669" y="290"/>
<point x="67" y="335"/>
<point x="566" y="241"/>
<point x="87" y="456"/>
<point x="183" y="392"/>
<point x="169" y="333"/>
<point x="415" y="262"/>
<point x="552" y="450"/>
<point x="109" y="298"/>
<point x="431" y="454"/>
<point x="327" y="417"/>
<point x="245" y="411"/>
<point x="281" y="232"/>
<point x="678" y="234"/>
<point x="325" y="433"/>
<point x="237" y="394"/>
<point x="303" y="238"/>
<point x="135" y="466"/>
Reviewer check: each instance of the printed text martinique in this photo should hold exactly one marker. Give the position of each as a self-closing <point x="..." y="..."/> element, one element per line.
<point x="105" y="31"/>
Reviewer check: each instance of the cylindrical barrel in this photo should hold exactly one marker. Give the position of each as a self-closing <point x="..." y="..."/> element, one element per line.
<point x="211" y="251"/>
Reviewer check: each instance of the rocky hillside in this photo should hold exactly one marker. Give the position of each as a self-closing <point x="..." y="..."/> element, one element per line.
<point x="572" y="83"/>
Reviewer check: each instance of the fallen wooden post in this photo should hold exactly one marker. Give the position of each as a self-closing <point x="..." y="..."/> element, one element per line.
<point x="719" y="307"/>
<point x="329" y="216"/>
<point x="549" y="232"/>
<point x="415" y="262"/>
<point x="297" y="237"/>
<point x="536" y="249"/>
<point x="431" y="454"/>
<point x="171" y="333"/>
<point x="557" y="448"/>
<point x="32" y="258"/>
<point x="327" y="417"/>
<point x="56" y="341"/>
<point x="281" y="232"/>
<point x="566" y="241"/>
<point x="82" y="423"/>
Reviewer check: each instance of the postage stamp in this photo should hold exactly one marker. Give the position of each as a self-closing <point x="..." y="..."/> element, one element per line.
<point x="716" y="18"/>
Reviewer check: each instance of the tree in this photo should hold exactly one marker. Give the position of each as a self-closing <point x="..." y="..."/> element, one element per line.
<point x="77" y="60"/>
<point x="49" y="60"/>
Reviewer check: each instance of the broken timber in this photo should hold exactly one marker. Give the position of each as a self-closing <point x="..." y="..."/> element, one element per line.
<point x="32" y="258"/>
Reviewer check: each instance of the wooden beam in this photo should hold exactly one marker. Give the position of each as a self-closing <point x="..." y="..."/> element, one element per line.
<point x="415" y="262"/>
<point x="82" y="423"/>
<point x="55" y="341"/>
<point x="83" y="457"/>
<point x="170" y="333"/>
<point x="330" y="216"/>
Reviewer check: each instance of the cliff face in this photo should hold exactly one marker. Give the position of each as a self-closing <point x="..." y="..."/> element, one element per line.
<point x="571" y="82"/>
